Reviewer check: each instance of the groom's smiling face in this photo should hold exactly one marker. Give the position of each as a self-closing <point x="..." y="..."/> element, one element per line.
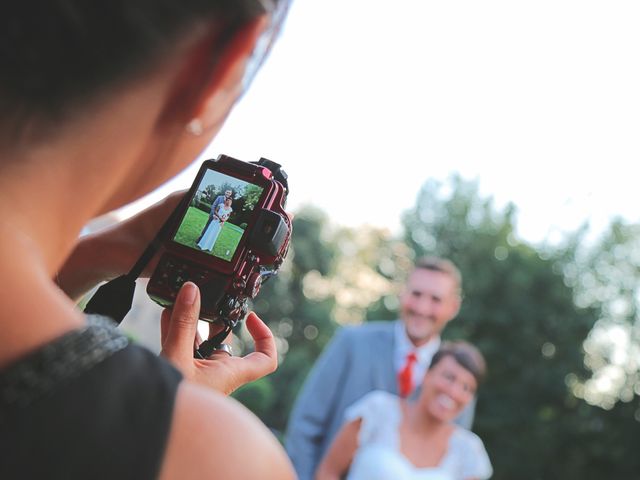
<point x="430" y="299"/>
<point x="227" y="193"/>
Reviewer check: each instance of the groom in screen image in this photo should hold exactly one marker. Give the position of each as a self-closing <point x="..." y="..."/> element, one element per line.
<point x="218" y="201"/>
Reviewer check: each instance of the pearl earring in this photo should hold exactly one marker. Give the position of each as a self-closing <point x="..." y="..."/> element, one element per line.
<point x="195" y="127"/>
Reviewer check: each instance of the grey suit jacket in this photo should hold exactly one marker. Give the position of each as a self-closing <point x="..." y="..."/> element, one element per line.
<point x="357" y="361"/>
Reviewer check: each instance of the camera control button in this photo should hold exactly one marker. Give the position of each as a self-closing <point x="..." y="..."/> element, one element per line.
<point x="177" y="279"/>
<point x="253" y="284"/>
<point x="233" y="308"/>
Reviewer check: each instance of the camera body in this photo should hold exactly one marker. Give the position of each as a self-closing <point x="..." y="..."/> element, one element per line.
<point x="228" y="235"/>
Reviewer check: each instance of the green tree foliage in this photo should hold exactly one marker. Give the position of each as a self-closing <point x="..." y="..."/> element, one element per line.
<point x="606" y="275"/>
<point x="251" y="196"/>
<point x="300" y="320"/>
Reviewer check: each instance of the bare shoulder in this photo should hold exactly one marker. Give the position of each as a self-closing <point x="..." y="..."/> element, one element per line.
<point x="213" y="436"/>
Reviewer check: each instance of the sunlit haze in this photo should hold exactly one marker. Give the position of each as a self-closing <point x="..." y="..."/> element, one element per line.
<point x="363" y="101"/>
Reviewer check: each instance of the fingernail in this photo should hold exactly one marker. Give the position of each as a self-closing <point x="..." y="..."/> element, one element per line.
<point x="188" y="293"/>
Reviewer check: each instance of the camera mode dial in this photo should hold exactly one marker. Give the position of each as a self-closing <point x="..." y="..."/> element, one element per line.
<point x="233" y="309"/>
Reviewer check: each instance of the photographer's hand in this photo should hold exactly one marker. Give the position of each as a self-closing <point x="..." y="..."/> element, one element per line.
<point x="111" y="252"/>
<point x="221" y="371"/>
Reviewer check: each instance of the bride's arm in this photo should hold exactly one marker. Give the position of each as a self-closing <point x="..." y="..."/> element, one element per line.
<point x="338" y="458"/>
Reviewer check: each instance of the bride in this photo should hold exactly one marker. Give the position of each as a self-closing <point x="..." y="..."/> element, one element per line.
<point x="389" y="437"/>
<point x="220" y="216"/>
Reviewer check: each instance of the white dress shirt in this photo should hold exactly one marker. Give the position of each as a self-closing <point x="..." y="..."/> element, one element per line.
<point x="424" y="353"/>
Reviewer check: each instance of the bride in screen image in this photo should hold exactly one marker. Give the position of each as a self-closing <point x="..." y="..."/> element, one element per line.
<point x="220" y="215"/>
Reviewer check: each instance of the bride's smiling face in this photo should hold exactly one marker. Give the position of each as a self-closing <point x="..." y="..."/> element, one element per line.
<point x="448" y="387"/>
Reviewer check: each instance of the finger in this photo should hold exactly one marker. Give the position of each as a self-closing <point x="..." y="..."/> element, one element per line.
<point x="165" y="321"/>
<point x="183" y="324"/>
<point x="264" y="359"/>
<point x="262" y="336"/>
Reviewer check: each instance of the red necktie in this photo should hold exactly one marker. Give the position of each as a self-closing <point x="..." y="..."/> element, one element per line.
<point x="405" y="376"/>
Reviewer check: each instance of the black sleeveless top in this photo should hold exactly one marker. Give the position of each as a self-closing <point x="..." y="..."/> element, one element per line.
<point x="89" y="405"/>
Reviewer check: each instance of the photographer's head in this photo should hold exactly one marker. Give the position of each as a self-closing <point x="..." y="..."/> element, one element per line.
<point x="430" y="299"/>
<point x="147" y="81"/>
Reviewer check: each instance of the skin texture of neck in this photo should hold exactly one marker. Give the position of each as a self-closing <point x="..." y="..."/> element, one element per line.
<point x="423" y="437"/>
<point x="418" y="342"/>
<point x="420" y="420"/>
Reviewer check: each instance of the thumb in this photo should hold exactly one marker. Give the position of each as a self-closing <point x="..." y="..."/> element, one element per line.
<point x="183" y="323"/>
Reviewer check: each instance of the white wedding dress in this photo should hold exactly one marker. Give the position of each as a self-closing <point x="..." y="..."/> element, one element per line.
<point x="210" y="236"/>
<point x="379" y="457"/>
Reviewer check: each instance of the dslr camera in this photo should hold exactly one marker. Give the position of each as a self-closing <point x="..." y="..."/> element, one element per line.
<point x="229" y="234"/>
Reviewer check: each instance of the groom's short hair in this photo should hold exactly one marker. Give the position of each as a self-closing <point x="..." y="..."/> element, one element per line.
<point x="442" y="265"/>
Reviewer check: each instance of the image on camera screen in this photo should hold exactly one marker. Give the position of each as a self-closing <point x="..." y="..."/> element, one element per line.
<point x="218" y="214"/>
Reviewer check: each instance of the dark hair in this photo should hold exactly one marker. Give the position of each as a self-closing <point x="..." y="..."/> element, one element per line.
<point x="58" y="54"/>
<point x="468" y="356"/>
<point x="437" y="264"/>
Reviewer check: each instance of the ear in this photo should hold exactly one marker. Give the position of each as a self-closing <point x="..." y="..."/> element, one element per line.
<point x="456" y="302"/>
<point x="207" y="93"/>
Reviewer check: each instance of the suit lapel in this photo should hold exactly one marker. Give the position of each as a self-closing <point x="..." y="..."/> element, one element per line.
<point x="382" y="368"/>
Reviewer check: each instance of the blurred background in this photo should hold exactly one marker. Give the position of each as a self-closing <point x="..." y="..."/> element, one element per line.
<point x="499" y="134"/>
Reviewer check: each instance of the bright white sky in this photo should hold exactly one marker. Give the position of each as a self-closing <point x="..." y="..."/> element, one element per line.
<point x="362" y="101"/>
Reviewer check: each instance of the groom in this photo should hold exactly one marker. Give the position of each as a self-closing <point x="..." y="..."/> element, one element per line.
<point x="216" y="203"/>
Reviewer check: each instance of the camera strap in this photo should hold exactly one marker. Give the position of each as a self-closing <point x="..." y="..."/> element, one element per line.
<point x="207" y="347"/>
<point x="114" y="298"/>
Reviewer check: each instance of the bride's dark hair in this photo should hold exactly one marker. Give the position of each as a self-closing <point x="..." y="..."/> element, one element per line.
<point x="467" y="356"/>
